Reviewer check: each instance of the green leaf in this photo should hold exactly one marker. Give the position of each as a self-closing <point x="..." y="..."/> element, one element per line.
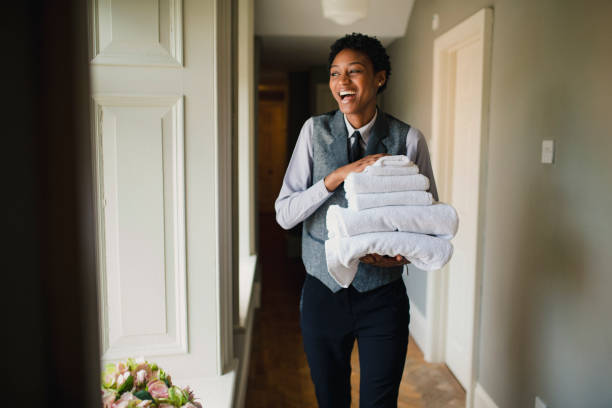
<point x="143" y="395"/>
<point x="185" y="397"/>
<point x="173" y="397"/>
<point x="127" y="385"/>
<point x="131" y="364"/>
<point x="176" y="396"/>
<point x="165" y="378"/>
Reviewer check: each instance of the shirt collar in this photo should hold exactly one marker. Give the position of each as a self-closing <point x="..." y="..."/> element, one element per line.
<point x="365" y="130"/>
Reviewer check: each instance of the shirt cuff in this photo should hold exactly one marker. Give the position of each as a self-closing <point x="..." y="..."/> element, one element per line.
<point x="321" y="190"/>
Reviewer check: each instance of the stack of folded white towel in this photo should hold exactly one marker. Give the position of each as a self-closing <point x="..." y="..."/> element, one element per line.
<point x="389" y="213"/>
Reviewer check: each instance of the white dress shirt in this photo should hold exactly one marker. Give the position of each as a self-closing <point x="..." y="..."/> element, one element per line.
<point x="299" y="198"/>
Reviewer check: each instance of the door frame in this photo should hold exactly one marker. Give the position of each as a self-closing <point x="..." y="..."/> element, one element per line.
<point x="477" y="28"/>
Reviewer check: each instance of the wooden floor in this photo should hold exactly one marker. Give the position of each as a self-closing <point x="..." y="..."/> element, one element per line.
<point x="278" y="371"/>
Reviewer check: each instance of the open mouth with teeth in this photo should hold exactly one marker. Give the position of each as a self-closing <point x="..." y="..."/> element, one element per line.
<point x="347" y="96"/>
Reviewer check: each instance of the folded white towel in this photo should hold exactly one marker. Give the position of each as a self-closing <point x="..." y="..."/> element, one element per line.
<point x="425" y="252"/>
<point x="439" y="219"/>
<point x="358" y="202"/>
<point x="366" y="183"/>
<point x="397" y="160"/>
<point x="391" y="170"/>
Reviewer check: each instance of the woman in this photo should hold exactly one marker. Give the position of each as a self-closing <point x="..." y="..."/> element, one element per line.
<point x="374" y="309"/>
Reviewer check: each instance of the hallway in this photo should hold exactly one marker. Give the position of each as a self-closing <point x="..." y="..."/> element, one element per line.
<point x="278" y="371"/>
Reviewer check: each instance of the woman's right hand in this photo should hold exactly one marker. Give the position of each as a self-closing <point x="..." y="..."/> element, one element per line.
<point x="383" y="260"/>
<point x="336" y="177"/>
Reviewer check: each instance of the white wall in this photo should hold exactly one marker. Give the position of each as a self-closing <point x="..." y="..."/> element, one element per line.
<point x="545" y="327"/>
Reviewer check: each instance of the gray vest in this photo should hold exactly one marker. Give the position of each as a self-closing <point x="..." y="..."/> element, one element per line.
<point x="330" y="151"/>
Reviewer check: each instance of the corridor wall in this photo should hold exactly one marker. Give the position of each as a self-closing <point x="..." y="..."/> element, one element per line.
<point x="545" y="327"/>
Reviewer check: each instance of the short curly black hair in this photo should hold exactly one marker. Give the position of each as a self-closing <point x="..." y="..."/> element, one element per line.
<point x="368" y="45"/>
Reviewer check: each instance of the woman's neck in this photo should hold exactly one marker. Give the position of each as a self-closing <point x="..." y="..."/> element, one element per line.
<point x="360" y="119"/>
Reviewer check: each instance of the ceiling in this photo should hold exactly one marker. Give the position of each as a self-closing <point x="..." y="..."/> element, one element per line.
<point x="295" y="36"/>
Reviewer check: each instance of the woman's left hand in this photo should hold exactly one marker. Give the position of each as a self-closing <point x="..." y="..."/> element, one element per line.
<point x="337" y="177"/>
<point x="383" y="260"/>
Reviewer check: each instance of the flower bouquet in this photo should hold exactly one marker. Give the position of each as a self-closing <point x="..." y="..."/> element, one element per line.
<point x="142" y="384"/>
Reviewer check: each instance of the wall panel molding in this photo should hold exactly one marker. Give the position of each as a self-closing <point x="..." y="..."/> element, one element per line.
<point x="139" y="167"/>
<point x="137" y="32"/>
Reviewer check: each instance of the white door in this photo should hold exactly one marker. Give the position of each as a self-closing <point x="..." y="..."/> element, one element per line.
<point x="138" y="112"/>
<point x="459" y="131"/>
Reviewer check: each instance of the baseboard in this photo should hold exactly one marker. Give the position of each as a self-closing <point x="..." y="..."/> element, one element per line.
<point x="246" y="332"/>
<point x="243" y="373"/>
<point x="248" y="270"/>
<point x="216" y="391"/>
<point x="482" y="399"/>
<point x="418" y="327"/>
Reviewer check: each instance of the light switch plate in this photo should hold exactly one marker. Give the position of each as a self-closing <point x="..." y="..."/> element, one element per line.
<point x="548" y="151"/>
<point x="435" y="22"/>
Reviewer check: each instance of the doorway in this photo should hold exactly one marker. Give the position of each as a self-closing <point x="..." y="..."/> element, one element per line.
<point x="459" y="134"/>
<point x="272" y="148"/>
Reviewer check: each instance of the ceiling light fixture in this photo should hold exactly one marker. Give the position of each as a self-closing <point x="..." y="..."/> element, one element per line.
<point x="345" y="12"/>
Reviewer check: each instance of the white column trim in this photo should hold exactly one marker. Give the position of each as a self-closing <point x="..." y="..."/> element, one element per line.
<point x="223" y="180"/>
<point x="246" y="129"/>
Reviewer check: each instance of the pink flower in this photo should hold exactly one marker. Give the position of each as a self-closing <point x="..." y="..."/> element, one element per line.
<point x="108" y="397"/>
<point x="141" y="377"/>
<point x="122" y="368"/>
<point x="127" y="396"/>
<point x="147" y="369"/>
<point x="154" y="375"/>
<point x="120" y="380"/>
<point x="125" y="400"/>
<point x="192" y="405"/>
<point x="158" y="389"/>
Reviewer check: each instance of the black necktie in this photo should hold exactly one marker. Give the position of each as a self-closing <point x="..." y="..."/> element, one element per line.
<point x="354" y="147"/>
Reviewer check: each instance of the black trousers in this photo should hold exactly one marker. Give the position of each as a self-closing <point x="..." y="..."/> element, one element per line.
<point x="331" y="322"/>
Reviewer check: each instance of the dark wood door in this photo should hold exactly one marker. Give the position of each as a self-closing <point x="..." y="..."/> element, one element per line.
<point x="272" y="154"/>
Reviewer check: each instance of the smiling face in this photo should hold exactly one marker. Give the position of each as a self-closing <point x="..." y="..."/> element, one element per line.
<point x="354" y="85"/>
